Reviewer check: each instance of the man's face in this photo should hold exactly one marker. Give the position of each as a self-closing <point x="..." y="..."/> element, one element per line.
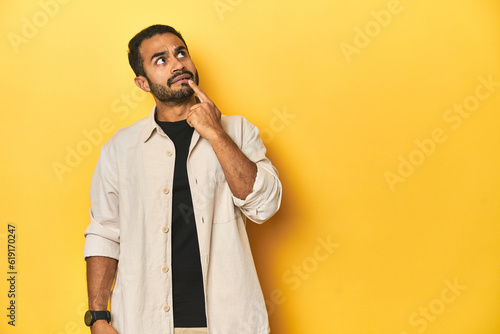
<point x="168" y="68"/>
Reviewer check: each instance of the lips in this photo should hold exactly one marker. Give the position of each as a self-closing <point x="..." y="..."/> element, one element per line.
<point x="181" y="77"/>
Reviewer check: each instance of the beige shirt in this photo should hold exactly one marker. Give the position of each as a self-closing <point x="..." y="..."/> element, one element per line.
<point x="130" y="220"/>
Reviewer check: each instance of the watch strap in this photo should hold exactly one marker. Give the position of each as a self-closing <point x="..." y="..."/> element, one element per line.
<point x="100" y="315"/>
<point x="92" y="316"/>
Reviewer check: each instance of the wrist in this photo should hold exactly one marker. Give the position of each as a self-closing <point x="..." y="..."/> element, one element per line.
<point x="99" y="323"/>
<point x="100" y="326"/>
<point x="218" y="136"/>
<point x="92" y="317"/>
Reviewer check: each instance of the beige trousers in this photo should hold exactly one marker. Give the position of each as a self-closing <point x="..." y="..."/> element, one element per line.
<point x="190" y="330"/>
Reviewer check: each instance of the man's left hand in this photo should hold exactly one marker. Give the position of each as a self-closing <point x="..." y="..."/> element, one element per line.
<point x="204" y="116"/>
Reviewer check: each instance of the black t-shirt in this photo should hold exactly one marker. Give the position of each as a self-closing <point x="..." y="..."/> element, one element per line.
<point x="187" y="278"/>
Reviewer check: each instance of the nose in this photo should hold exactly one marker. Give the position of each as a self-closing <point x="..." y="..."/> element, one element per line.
<point x="176" y="65"/>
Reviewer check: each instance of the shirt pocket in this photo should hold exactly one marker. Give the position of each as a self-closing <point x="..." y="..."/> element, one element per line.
<point x="225" y="212"/>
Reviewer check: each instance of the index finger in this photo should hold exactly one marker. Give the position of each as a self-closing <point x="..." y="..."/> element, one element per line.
<point x="201" y="94"/>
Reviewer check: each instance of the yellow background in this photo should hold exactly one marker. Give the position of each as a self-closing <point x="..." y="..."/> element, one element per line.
<point x="336" y="124"/>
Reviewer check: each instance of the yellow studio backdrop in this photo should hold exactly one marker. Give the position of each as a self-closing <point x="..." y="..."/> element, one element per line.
<point x="381" y="116"/>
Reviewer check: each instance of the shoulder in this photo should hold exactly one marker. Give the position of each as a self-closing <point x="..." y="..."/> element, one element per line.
<point x="239" y="129"/>
<point x="237" y="124"/>
<point x="126" y="136"/>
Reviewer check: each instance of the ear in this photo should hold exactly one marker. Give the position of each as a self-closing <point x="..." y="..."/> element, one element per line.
<point x="142" y="83"/>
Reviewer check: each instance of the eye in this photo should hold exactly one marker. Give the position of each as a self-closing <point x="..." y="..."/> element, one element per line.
<point x="160" y="61"/>
<point x="181" y="54"/>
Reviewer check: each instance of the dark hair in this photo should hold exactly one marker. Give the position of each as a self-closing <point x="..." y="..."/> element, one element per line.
<point x="134" y="57"/>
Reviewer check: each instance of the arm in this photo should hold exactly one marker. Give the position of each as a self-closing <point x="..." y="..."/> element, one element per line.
<point x="251" y="177"/>
<point x="100" y="275"/>
<point x="265" y="198"/>
<point x="102" y="236"/>
<point x="239" y="171"/>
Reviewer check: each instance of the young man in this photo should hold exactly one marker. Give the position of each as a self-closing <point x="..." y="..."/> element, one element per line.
<point x="169" y="198"/>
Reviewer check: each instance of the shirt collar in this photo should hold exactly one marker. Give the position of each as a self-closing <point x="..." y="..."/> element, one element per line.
<point x="150" y="126"/>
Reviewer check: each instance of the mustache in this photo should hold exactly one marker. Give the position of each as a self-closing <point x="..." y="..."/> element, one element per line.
<point x="172" y="78"/>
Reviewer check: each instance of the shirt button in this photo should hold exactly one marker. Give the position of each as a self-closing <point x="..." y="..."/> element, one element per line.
<point x="164" y="269"/>
<point x="165" y="190"/>
<point x="164" y="229"/>
<point x="166" y="308"/>
<point x="169" y="153"/>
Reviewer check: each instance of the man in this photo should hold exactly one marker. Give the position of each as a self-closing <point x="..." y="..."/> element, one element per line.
<point x="169" y="198"/>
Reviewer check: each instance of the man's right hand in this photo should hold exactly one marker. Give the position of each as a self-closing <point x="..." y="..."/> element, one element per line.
<point x="102" y="327"/>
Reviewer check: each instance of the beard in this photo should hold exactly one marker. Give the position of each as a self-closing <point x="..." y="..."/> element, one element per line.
<point x="165" y="93"/>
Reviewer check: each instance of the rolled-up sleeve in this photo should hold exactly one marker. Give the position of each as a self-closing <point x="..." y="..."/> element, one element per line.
<point x="102" y="236"/>
<point x="265" y="198"/>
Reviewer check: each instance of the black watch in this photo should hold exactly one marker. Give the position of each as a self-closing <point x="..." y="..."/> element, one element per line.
<point x="93" y="316"/>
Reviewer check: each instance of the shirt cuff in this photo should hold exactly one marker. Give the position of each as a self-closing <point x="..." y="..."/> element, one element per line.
<point x="96" y="245"/>
<point x="265" y="198"/>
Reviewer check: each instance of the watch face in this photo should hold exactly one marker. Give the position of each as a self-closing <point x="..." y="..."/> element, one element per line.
<point x="88" y="318"/>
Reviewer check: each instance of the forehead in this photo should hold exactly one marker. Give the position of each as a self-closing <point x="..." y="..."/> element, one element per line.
<point x="157" y="43"/>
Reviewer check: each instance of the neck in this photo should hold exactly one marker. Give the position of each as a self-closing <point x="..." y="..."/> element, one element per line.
<point x="173" y="111"/>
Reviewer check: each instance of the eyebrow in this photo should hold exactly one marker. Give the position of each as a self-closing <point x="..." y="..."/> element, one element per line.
<point x="161" y="53"/>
